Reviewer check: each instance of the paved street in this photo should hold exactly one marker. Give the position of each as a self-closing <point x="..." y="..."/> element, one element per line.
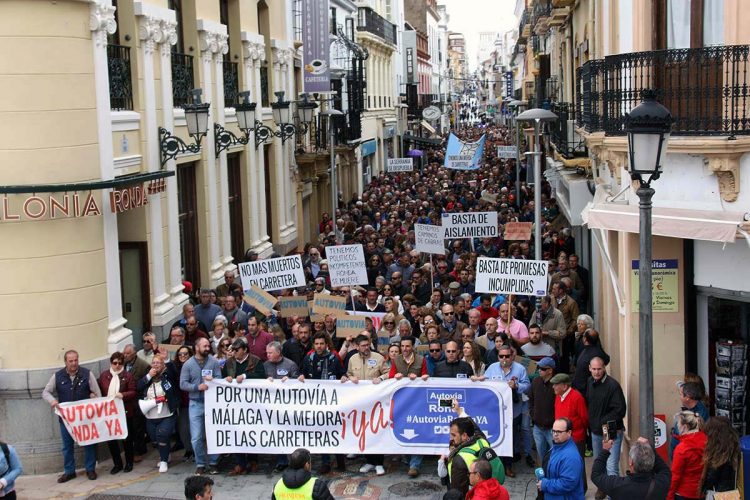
<point x="146" y="483"/>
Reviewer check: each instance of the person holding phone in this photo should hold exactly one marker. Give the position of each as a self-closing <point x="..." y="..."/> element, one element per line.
<point x="607" y="407"/>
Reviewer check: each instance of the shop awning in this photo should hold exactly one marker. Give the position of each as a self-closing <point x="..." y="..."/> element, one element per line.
<point x="422" y="140"/>
<point x="672" y="222"/>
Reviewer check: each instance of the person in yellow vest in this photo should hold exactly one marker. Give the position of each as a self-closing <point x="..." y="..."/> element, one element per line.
<point x="297" y="482"/>
<point x="466" y="442"/>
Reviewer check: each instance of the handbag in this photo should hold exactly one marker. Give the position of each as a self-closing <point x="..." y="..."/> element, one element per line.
<point x="725" y="495"/>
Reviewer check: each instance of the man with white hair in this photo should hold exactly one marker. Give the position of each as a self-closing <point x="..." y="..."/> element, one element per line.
<point x="149" y="344"/>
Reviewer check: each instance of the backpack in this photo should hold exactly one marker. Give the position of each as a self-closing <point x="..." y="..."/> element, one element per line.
<point x="487" y="453"/>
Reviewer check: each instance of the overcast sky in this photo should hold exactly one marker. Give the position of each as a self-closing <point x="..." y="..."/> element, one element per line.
<point x="472" y="16"/>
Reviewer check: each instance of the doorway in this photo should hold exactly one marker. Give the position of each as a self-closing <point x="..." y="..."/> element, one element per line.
<point x="135" y="289"/>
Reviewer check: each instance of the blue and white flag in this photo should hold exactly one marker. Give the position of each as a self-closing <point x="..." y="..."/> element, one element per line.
<point x="461" y="155"/>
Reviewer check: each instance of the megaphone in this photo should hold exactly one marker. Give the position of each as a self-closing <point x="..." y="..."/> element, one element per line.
<point x="147" y="405"/>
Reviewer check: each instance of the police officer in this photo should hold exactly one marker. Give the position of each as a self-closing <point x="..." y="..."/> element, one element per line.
<point x="297" y="481"/>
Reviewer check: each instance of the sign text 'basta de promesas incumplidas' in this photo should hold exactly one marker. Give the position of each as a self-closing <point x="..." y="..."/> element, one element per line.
<point x="512" y="276"/>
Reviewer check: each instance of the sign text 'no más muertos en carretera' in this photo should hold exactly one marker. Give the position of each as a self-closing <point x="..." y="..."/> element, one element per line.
<point x="396" y="416"/>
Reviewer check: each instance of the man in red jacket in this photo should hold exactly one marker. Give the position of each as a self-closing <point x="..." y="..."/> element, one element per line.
<point x="569" y="403"/>
<point x="484" y="486"/>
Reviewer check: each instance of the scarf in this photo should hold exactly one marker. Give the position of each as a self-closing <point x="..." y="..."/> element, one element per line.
<point x="114" y="385"/>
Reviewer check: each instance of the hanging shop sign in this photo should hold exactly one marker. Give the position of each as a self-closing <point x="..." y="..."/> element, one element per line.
<point x="49" y="206"/>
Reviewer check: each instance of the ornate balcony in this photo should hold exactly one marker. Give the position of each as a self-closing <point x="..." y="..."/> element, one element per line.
<point x="231" y="84"/>
<point x="182" y="78"/>
<point x="705" y="89"/>
<point x="370" y="21"/>
<point x="120" y="81"/>
<point x="562" y="132"/>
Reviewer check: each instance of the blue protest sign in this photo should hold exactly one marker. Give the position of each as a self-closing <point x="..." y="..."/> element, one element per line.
<point x="420" y="420"/>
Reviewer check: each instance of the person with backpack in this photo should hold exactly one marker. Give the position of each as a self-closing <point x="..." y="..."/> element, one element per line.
<point x="468" y="445"/>
<point x="10" y="469"/>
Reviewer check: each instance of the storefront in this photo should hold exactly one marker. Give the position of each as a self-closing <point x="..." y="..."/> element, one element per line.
<point x="368" y="149"/>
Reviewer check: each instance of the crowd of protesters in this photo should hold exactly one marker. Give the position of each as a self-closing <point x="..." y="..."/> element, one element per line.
<point x="434" y="324"/>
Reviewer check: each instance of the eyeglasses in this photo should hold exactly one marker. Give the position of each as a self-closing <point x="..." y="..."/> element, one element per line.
<point x="554" y="431"/>
<point x="435" y="350"/>
<point x="451" y="350"/>
<point x="115" y="363"/>
<point x="190" y="324"/>
<point x="501" y="356"/>
<point x="428" y="322"/>
<point x="389" y="323"/>
<point x="449" y="313"/>
<point x="183" y="355"/>
<point x="226" y="345"/>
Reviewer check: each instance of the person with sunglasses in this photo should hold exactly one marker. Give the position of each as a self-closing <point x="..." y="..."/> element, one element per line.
<point x="515" y="375"/>
<point x="118" y="383"/>
<point x="453" y="366"/>
<point x="436" y="354"/>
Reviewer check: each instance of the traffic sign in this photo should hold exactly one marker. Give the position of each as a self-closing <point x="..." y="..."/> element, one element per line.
<point x="420" y="420"/>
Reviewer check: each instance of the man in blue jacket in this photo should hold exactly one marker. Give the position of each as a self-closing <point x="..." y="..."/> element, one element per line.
<point x="563" y="477"/>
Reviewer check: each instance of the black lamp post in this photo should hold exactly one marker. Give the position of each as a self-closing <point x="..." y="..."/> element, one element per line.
<point x="196" y="117"/>
<point x="648" y="126"/>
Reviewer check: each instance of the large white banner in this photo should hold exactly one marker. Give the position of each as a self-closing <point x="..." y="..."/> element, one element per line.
<point x="327" y="416"/>
<point x="273" y="274"/>
<point x="511" y="276"/>
<point x="429" y="238"/>
<point x="346" y="265"/>
<point x="470" y="225"/>
<point x="92" y="421"/>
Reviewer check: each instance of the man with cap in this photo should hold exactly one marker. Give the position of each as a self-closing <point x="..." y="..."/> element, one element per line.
<point x="542" y="406"/>
<point x="297" y="481"/>
<point x="570" y="404"/>
<point x="454" y="292"/>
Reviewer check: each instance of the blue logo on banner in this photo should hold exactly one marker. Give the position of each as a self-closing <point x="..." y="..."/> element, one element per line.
<point x="459" y="147"/>
<point x="419" y="419"/>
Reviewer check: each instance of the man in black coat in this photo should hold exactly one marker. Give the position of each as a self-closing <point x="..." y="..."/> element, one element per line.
<point x="453" y="367"/>
<point x="648" y="479"/>
<point x="591" y="349"/>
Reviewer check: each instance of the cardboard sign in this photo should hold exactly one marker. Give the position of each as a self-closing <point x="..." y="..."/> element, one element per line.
<point x="512" y="276"/>
<point x="329" y="304"/>
<point x="273" y="274"/>
<point x="429" y="239"/>
<point x="470" y="225"/>
<point x="293" y="306"/>
<point x="350" y="325"/>
<point x="95" y="420"/>
<point x="170" y="349"/>
<point x="400" y="165"/>
<point x="376" y="318"/>
<point x="489" y="197"/>
<point x="262" y="301"/>
<point x="346" y="265"/>
<point x="517" y="231"/>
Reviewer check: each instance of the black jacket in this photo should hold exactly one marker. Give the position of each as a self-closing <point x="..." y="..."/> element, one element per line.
<point x="445" y="369"/>
<point x="605" y="402"/>
<point x="295" y="351"/>
<point x="581" y="375"/>
<point x="294" y="478"/>
<point x="542" y="403"/>
<point x="632" y="486"/>
<point x="720" y="479"/>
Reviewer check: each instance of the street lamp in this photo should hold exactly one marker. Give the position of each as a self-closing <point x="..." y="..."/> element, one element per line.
<point x="196" y="118"/>
<point x="330" y="113"/>
<point x="517" y="106"/>
<point x="648" y="126"/>
<point x="537" y="116"/>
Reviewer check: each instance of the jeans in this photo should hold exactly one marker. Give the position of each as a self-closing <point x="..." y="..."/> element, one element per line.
<point x="197" y="434"/>
<point x="526" y="432"/>
<point x="543" y="440"/>
<point x="613" y="462"/>
<point x="69" y="459"/>
<point x="415" y="461"/>
<point x="160" y="431"/>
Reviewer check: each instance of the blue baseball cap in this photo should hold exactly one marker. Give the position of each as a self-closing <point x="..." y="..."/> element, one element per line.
<point x="547" y="363"/>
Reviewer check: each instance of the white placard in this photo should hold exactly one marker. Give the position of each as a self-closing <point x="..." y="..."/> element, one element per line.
<point x="91" y="421"/>
<point x="429" y="238"/>
<point x="346" y="265"/>
<point x="400" y="165"/>
<point x="512" y="276"/>
<point x="470" y="225"/>
<point x="273" y="274"/>
<point x="506" y="151"/>
<point x="460" y="162"/>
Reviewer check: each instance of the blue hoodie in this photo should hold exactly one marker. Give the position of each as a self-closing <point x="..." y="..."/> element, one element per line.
<point x="431" y="362"/>
<point x="564" y="474"/>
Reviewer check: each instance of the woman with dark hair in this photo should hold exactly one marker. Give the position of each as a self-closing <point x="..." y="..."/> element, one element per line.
<point x="183" y="422"/>
<point x="721" y="457"/>
<point x="118" y="383"/>
<point x="473" y="356"/>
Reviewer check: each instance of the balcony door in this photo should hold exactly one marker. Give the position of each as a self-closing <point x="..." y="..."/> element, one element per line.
<point x="690" y="72"/>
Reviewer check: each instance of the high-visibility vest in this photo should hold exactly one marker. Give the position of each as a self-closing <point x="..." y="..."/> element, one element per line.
<point x="305" y="492"/>
<point x="469" y="458"/>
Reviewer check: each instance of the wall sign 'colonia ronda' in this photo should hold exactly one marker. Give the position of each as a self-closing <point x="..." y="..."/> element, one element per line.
<point x="76" y="204"/>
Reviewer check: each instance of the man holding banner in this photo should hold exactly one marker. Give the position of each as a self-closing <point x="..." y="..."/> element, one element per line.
<point x="72" y="383"/>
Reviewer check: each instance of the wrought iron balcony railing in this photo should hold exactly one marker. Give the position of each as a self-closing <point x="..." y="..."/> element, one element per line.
<point x="562" y="132"/>
<point x="120" y="80"/>
<point x="231" y="84"/>
<point x="371" y="22"/>
<point x="705" y="89"/>
<point x="182" y="78"/>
